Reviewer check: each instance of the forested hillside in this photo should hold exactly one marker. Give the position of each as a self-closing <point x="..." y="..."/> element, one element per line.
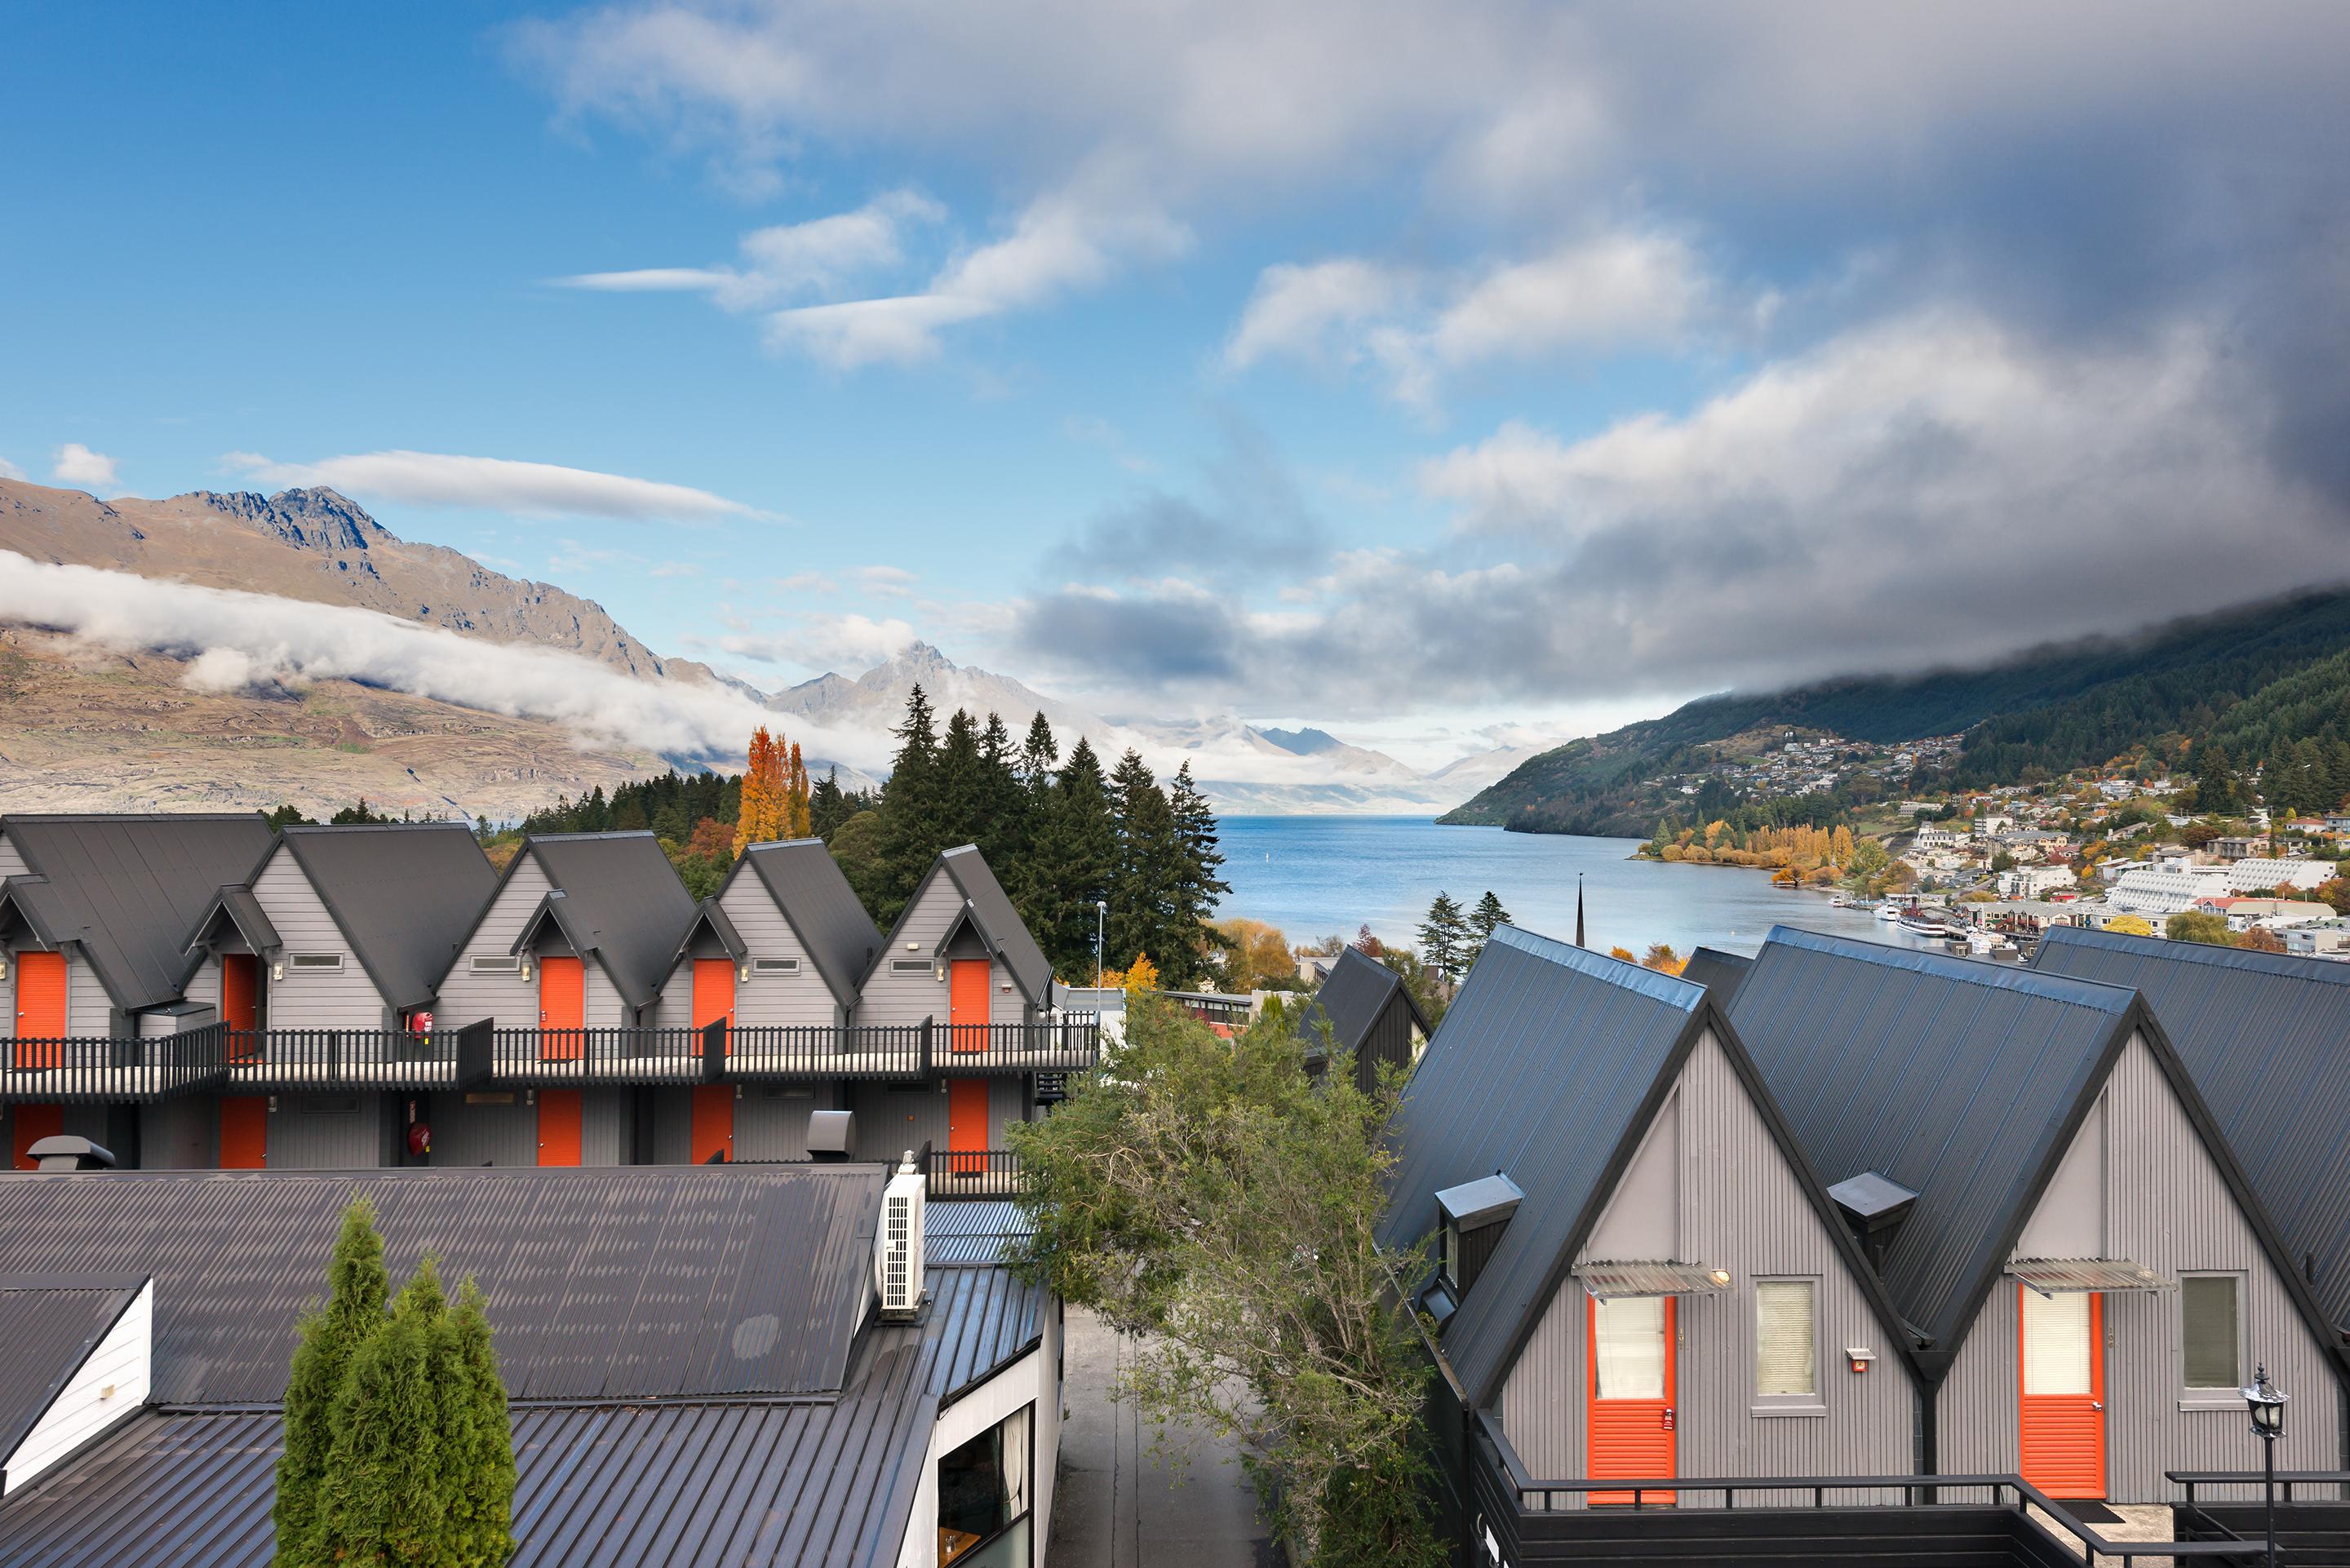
<point x="2268" y="683"/>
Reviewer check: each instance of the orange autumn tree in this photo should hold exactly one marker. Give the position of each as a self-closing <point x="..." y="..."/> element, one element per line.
<point x="776" y="794"/>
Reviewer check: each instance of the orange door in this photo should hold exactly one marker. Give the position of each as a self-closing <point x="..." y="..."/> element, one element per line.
<point x="713" y="1121"/>
<point x="1628" y="1376"/>
<point x="562" y="1009"/>
<point x="240" y="1006"/>
<point x="40" y="1010"/>
<point x="28" y="1125"/>
<point x="967" y="1124"/>
<point x="714" y="995"/>
<point x="244" y="1132"/>
<point x="967" y="1005"/>
<point x="559" y="1126"/>
<point x="2060" y="1370"/>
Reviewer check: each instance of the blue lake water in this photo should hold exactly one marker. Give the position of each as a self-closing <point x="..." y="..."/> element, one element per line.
<point x="1316" y="876"/>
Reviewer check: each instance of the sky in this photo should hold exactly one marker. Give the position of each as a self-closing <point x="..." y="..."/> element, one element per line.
<point x="1445" y="376"/>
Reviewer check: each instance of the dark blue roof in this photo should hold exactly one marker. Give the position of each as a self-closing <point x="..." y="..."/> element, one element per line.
<point x="2266" y="1038"/>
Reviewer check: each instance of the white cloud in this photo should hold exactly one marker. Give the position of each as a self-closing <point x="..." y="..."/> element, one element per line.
<point x="896" y="582"/>
<point x="77" y="465"/>
<point x="497" y="484"/>
<point x="818" y="258"/>
<point x="826" y="642"/>
<point x="1597" y="293"/>
<point x="9" y="470"/>
<point x="239" y="641"/>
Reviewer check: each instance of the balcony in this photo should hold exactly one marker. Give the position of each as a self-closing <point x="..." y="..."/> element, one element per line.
<point x="266" y="1060"/>
<point x="972" y="1173"/>
<point x="111" y="1067"/>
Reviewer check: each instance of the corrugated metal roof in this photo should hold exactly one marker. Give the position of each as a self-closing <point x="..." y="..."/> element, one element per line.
<point x="405" y="895"/>
<point x="1358" y="991"/>
<point x="1718" y="972"/>
<point x="50" y="1325"/>
<point x="710" y="917"/>
<point x="632" y="1282"/>
<point x="2049" y="1275"/>
<point x="128" y="887"/>
<point x="1870" y="1194"/>
<point x="2266" y="1038"/>
<point x="825" y="912"/>
<point x="1544" y="1067"/>
<point x="990" y="911"/>
<point x="623" y="902"/>
<point x="979" y="1319"/>
<point x="1474" y="1203"/>
<point x="1958" y="1079"/>
<point x="970" y="1231"/>
<point x="1611" y="1279"/>
<point x="246" y="917"/>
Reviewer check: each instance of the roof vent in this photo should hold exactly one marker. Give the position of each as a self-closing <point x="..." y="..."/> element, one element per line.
<point x="1874" y="1205"/>
<point x="66" y="1151"/>
<point x="897" y="1249"/>
<point x="831" y="1134"/>
<point x="1475" y="1214"/>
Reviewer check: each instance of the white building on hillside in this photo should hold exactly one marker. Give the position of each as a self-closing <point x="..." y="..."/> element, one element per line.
<point x="2162" y="890"/>
<point x="2036" y="881"/>
<point x="2256" y="876"/>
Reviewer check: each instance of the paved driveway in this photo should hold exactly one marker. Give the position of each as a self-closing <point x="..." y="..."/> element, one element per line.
<point x="1116" y="1508"/>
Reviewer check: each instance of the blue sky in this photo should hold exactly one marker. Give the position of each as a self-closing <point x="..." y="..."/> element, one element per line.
<point x="1424" y="372"/>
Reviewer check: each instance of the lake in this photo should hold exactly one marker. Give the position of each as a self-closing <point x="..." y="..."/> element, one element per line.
<point x="1317" y="875"/>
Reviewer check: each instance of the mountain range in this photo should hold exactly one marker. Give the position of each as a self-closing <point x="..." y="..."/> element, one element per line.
<point x="139" y="717"/>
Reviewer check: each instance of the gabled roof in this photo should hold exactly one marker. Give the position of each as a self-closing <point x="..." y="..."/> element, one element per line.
<point x="1359" y="989"/>
<point x="32" y="900"/>
<point x="632" y="1282"/>
<point x="708" y="917"/>
<point x="127" y="887"/>
<point x="1962" y="1080"/>
<point x="1549" y="1067"/>
<point x="242" y="911"/>
<point x="403" y="894"/>
<point x="807" y="884"/>
<point x="1718" y="972"/>
<point x="2267" y="1040"/>
<point x="989" y="909"/>
<point x="622" y="902"/>
<point x="50" y="1323"/>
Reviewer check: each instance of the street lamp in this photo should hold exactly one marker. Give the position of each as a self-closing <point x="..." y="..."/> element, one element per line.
<point x="1101" y="913"/>
<point x="2266" y="1403"/>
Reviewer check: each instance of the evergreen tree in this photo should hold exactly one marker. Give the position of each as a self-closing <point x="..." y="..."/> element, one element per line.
<point x="1143" y="921"/>
<point x="2215" y="781"/>
<point x="329" y="1337"/>
<point x="1198" y="859"/>
<point x="959" y="807"/>
<point x="1444" y="938"/>
<point x="828" y="805"/>
<point x="1072" y="863"/>
<point x="384" y="1498"/>
<point x="1486" y="918"/>
<point x="1038" y="754"/>
<point x="907" y="828"/>
<point x="1003" y="835"/>
<point x="478" y="1439"/>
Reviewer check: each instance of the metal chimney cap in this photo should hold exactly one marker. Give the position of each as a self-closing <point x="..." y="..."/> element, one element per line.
<point x="70" y="1151"/>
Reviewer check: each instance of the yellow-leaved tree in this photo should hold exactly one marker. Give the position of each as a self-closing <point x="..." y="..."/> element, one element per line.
<point x="766" y="803"/>
<point x="797" y="822"/>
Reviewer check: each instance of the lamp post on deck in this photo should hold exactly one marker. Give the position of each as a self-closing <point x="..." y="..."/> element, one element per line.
<point x="1101" y="913"/>
<point x="2266" y="1403"/>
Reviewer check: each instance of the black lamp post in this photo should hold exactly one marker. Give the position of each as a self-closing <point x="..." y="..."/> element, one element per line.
<point x="2267" y="1405"/>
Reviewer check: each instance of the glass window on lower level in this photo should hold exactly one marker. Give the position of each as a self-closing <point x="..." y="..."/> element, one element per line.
<point x="983" y="1496"/>
<point x="2209" y="1306"/>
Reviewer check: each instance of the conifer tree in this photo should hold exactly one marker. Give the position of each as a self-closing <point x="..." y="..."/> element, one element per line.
<point x="1199" y="858"/>
<point x="1142" y="917"/>
<point x="478" y="1439"/>
<point x="1486" y="918"/>
<point x="1444" y="937"/>
<point x="1003" y="835"/>
<point x="1072" y="862"/>
<point x="385" y="1496"/>
<point x="961" y="794"/>
<point x="828" y="805"/>
<point x="330" y="1336"/>
<point x="908" y="829"/>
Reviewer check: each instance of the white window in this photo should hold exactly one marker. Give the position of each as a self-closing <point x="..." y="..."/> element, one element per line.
<point x="1630" y="1347"/>
<point x="317" y="963"/>
<point x="776" y="966"/>
<point x="910" y="966"/>
<point x="1787" y="1343"/>
<point x="497" y="963"/>
<point x="2056" y="1347"/>
<point x="2211" y="1316"/>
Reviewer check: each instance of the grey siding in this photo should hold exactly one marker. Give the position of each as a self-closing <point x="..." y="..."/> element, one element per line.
<point x="12" y="864"/>
<point x="508" y="998"/>
<point x="181" y="1133"/>
<point x="311" y="1132"/>
<point x="771" y="1121"/>
<point x="890" y="1121"/>
<point x="487" y="1133"/>
<point x="2165" y="1206"/>
<point x="892" y="998"/>
<point x="774" y="999"/>
<point x="346" y="999"/>
<point x="88" y="1010"/>
<point x="604" y="1125"/>
<point x="672" y="1127"/>
<point x="1738" y="1207"/>
<point x="163" y="1025"/>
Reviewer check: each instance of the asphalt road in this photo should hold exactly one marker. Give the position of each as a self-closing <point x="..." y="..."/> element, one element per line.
<point x="1116" y="1508"/>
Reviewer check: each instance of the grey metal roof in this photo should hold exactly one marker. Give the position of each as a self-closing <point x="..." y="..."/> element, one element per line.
<point x="1962" y="1080"/>
<point x="1611" y="1279"/>
<point x="127" y="887"/>
<point x="707" y="915"/>
<point x="1358" y="990"/>
<point x="242" y="911"/>
<point x="2266" y="1038"/>
<point x="1475" y="1203"/>
<point x="623" y="903"/>
<point x="1718" y="972"/>
<point x="2049" y="1275"/>
<point x="989" y="909"/>
<point x="1547" y="1066"/>
<point x="632" y="1282"/>
<point x="50" y="1323"/>
<point x="1870" y="1194"/>
<point x="979" y="1319"/>
<point x="970" y="1231"/>
<point x="824" y="913"/>
<point x="403" y="894"/>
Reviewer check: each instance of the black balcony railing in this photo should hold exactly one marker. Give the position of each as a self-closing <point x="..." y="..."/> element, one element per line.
<point x="774" y="1053"/>
<point x="596" y="1056"/>
<point x="269" y="1060"/>
<point x="1069" y="1044"/>
<point x="770" y="1053"/>
<point x="973" y="1173"/>
<point x="111" y="1067"/>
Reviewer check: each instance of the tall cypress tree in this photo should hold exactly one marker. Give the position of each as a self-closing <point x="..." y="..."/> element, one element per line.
<point x="357" y="1286"/>
<point x="478" y="1437"/>
<point x="387" y="1486"/>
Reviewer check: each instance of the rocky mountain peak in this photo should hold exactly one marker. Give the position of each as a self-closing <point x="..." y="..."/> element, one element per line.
<point x="315" y="519"/>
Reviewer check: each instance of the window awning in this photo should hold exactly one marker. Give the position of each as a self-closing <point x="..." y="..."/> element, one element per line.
<point x="1610" y="1281"/>
<point x="2050" y="1275"/>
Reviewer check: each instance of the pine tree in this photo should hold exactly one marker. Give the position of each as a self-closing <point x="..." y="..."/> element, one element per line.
<point x="1444" y="937"/>
<point x="907" y="830"/>
<point x="1072" y="863"/>
<point x="478" y="1439"/>
<point x="1003" y="835"/>
<point x="828" y="805"/>
<point x="1198" y="859"/>
<point x="385" y="1496"/>
<point x="961" y="800"/>
<point x="1142" y="913"/>
<point x="330" y="1336"/>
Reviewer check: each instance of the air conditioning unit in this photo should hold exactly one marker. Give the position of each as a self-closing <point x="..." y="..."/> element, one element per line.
<point x="898" y="1247"/>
